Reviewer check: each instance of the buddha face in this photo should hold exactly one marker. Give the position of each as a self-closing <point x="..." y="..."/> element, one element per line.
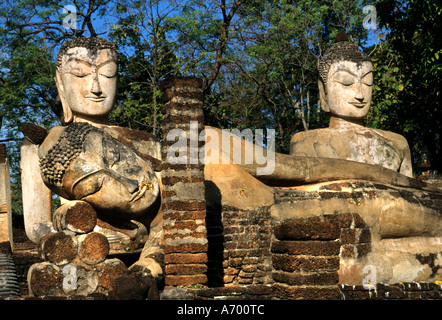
<point x="87" y="83"/>
<point x="348" y="89"/>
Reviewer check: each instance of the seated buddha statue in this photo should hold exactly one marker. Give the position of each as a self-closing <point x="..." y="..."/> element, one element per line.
<point x="404" y="221"/>
<point x="346" y="168"/>
<point x="345" y="88"/>
<point x="85" y="159"/>
<point x="82" y="160"/>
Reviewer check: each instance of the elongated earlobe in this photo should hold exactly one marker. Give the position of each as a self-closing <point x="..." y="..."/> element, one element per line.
<point x="67" y="112"/>
<point x="323" y="96"/>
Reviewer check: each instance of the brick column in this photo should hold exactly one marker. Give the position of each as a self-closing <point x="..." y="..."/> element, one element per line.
<point x="184" y="206"/>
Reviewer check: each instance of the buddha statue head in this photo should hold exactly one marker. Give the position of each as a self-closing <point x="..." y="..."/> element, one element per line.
<point x="86" y="79"/>
<point x="345" y="81"/>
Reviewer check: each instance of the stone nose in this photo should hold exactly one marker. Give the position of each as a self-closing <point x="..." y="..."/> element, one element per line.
<point x="359" y="95"/>
<point x="96" y="88"/>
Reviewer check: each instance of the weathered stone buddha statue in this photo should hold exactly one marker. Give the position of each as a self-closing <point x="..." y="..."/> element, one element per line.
<point x="348" y="169"/>
<point x="345" y="87"/>
<point x="83" y="160"/>
<point x="405" y="222"/>
<point x="87" y="160"/>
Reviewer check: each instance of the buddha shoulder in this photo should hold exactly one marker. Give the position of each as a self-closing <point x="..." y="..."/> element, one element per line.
<point x="396" y="139"/>
<point x="50" y="140"/>
<point x="310" y="135"/>
<point x="306" y="142"/>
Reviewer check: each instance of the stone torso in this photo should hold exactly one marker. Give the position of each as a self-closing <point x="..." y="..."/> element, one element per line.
<point x="100" y="166"/>
<point x="359" y="144"/>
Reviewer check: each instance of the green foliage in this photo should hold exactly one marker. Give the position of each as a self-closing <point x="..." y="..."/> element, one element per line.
<point x="408" y="78"/>
<point x="275" y="49"/>
<point x="146" y="58"/>
<point x="26" y="88"/>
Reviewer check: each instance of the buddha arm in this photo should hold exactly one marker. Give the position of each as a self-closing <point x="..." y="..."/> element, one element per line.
<point x="37" y="198"/>
<point x="289" y="170"/>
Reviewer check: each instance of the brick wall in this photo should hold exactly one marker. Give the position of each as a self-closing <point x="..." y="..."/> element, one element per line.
<point x="305" y="257"/>
<point x="247" y="236"/>
<point x="299" y="258"/>
<point x="291" y="260"/>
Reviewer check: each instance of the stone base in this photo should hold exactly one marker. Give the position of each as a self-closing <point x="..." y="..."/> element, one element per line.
<point x="76" y="263"/>
<point x="347" y="240"/>
<point x="394" y="232"/>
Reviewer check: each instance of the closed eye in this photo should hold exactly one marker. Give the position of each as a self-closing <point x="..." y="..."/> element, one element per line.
<point x="79" y="74"/>
<point x="368" y="81"/>
<point x="108" y="69"/>
<point x="347" y="81"/>
<point x="109" y="76"/>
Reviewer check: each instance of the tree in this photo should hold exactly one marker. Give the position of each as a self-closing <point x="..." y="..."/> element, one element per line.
<point x="27" y="93"/>
<point x="274" y="52"/>
<point x="147" y="57"/>
<point x="408" y="78"/>
<point x="205" y="30"/>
